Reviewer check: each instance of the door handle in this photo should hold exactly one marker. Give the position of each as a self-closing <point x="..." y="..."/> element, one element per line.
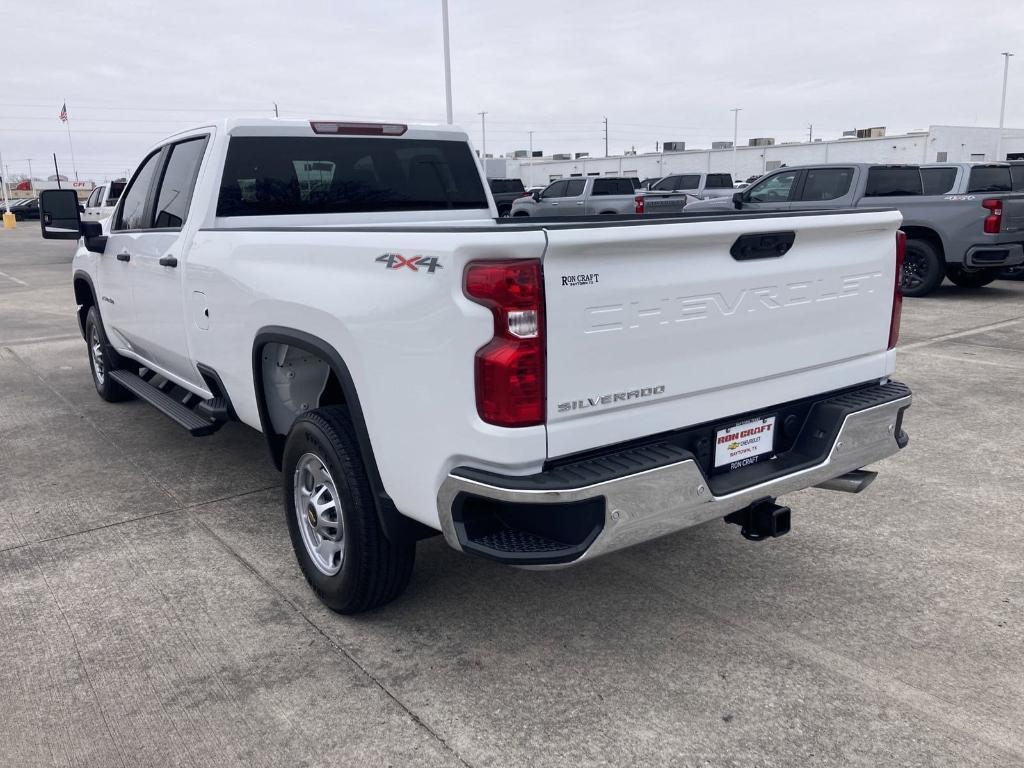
<point x="580" y="202"/>
<point x="168" y="261"/>
<point x="124" y="256"/>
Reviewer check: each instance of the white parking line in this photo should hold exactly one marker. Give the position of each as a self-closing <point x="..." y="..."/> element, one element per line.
<point x="14" y="279"/>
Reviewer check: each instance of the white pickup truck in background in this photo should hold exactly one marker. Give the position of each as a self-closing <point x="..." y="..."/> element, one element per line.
<point x="539" y="391"/>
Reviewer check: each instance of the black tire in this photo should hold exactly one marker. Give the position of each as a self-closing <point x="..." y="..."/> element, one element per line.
<point x="965" y="277"/>
<point x="372" y="569"/>
<point x="103" y="359"/>
<point x="504" y="211"/>
<point x="923" y="269"/>
<point x="520" y="213"/>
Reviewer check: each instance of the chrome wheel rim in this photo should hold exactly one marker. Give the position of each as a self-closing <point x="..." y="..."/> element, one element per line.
<point x="99" y="370"/>
<point x="318" y="513"/>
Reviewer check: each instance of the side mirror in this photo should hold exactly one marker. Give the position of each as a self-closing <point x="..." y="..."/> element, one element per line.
<point x="59" y="216"/>
<point x="737" y="200"/>
<point x="95" y="240"/>
<point x="536" y="195"/>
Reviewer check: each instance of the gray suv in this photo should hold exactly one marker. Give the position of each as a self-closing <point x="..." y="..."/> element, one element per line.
<point x="585" y="196"/>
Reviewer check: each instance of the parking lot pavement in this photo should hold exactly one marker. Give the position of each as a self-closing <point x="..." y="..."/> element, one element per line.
<point x="151" y="612"/>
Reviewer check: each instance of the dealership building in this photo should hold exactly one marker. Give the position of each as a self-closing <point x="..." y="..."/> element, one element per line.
<point x="940" y="143"/>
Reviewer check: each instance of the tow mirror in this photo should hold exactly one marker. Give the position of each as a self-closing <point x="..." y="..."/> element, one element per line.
<point x="59" y="216"/>
<point x="536" y="195"/>
<point x="737" y="200"/>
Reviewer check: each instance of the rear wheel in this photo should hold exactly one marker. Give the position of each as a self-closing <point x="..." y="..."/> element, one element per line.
<point x="504" y="210"/>
<point x="923" y="269"/>
<point x="103" y="359"/>
<point x="966" y="277"/>
<point x="520" y="213"/>
<point x="336" y="534"/>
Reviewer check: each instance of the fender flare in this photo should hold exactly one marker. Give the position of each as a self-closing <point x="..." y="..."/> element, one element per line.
<point x="80" y="274"/>
<point x="393" y="523"/>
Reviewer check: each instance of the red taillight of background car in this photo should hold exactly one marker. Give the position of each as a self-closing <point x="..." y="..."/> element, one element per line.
<point x="510" y="368"/>
<point x="994" y="221"/>
<point x="897" y="292"/>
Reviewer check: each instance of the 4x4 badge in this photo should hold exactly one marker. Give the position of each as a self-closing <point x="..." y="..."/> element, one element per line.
<point x="397" y="261"/>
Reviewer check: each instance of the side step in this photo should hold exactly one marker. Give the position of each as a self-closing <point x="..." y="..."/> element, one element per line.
<point x="197" y="424"/>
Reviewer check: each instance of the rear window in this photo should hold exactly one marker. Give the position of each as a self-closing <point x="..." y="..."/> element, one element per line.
<point x="612" y="187"/>
<point x="719" y="181"/>
<point x="994" y="179"/>
<point x="938" y="181"/>
<point x="499" y="186"/>
<point x="276" y="175"/>
<point x="893" y="182"/>
<point x="116" y="188"/>
<point x="1017" y="177"/>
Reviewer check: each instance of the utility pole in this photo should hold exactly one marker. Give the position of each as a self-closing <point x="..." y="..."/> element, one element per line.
<point x="56" y="170"/>
<point x="3" y="188"/>
<point x="735" y="136"/>
<point x="810" y="133"/>
<point x="606" y="137"/>
<point x="31" y="182"/>
<point x="275" y="109"/>
<point x="483" y="139"/>
<point x="447" y="61"/>
<point x="1002" y="105"/>
<point x="530" y="164"/>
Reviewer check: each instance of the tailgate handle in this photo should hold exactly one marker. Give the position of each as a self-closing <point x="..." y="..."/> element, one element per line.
<point x="769" y="245"/>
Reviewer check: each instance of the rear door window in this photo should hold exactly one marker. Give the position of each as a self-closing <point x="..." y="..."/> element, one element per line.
<point x="692" y="181"/>
<point x="719" y="181"/>
<point x="268" y="175"/>
<point x="612" y="187"/>
<point x="893" y="182"/>
<point x="938" y="181"/>
<point x="574" y="187"/>
<point x="990" y="179"/>
<point x="822" y="184"/>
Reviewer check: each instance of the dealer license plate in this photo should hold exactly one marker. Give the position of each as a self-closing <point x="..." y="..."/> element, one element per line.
<point x="745" y="443"/>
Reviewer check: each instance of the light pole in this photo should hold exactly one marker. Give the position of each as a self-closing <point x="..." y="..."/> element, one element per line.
<point x="735" y="136"/>
<point x="483" y="139"/>
<point x="530" y="164"/>
<point x="1002" y="104"/>
<point x="447" y="61"/>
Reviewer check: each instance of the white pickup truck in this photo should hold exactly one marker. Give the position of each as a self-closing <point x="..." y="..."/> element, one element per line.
<point x="541" y="392"/>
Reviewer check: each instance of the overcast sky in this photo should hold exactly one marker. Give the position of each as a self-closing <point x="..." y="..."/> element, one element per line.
<point x="133" y="71"/>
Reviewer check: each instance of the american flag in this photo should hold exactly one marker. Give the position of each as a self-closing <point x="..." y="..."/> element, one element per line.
<point x="64" y="113"/>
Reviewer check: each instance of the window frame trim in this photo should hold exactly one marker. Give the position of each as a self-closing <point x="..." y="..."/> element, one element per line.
<point x="147" y="206"/>
<point x="165" y="163"/>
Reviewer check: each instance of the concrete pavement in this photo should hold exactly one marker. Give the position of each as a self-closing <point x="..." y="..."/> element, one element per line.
<point x="151" y="612"/>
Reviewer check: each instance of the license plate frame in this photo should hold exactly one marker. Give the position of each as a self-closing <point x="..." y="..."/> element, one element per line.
<point x="744" y="443"/>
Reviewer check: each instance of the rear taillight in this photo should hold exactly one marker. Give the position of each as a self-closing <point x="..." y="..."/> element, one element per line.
<point x="897" y="292"/>
<point x="639" y="200"/>
<point x="994" y="221"/>
<point x="510" y="367"/>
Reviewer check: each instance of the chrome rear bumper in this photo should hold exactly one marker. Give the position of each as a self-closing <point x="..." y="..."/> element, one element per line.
<point x="646" y="505"/>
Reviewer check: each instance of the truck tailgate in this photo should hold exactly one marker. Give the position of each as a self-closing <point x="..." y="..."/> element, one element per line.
<point x="657" y="327"/>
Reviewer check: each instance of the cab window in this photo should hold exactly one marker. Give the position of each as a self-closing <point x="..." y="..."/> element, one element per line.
<point x="134" y="203"/>
<point x="178" y="182"/>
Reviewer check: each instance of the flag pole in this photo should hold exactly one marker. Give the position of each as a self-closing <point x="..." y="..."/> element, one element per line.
<point x="67" y="122"/>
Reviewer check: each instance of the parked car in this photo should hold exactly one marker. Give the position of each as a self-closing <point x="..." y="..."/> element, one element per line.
<point x="584" y="196"/>
<point x="646" y="183"/>
<point x="102" y="200"/>
<point x="540" y="393"/>
<point x="505" y="192"/>
<point x="966" y="232"/>
<point x="672" y="193"/>
<point x="26" y="208"/>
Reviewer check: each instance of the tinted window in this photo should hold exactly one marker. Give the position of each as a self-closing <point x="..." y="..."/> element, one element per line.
<point x="612" y="187"/>
<point x="1017" y="176"/>
<point x="555" y="190"/>
<point x="178" y="182"/>
<point x="327" y="174"/>
<point x="826" y="183"/>
<point x="669" y="182"/>
<point x="116" y="188"/>
<point x="938" y="181"/>
<point x="504" y="186"/>
<point x="719" y="181"/>
<point x="893" y="182"/>
<point x="995" y="179"/>
<point x="95" y="198"/>
<point x="574" y="188"/>
<point x="774" y="189"/>
<point x="691" y="181"/>
<point x="133" y="208"/>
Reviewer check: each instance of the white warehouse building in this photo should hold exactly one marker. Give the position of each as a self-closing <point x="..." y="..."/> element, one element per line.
<point x="940" y="143"/>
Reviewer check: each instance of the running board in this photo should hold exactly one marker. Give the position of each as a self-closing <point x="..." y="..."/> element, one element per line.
<point x="197" y="424"/>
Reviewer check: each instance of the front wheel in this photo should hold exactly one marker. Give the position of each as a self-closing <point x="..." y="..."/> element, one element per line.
<point x="922" y="269"/>
<point x="102" y="359"/>
<point x="965" y="277"/>
<point x="337" y="537"/>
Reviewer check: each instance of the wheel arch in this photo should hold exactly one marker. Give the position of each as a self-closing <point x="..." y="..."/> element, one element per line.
<point x="85" y="297"/>
<point x="929" y="235"/>
<point x="392" y="521"/>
